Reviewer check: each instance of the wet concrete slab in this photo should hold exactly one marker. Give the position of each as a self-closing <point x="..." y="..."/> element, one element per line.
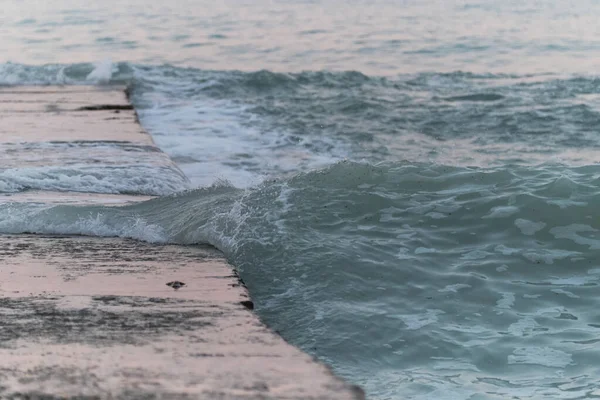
<point x="54" y="113"/>
<point x="95" y="318"/>
<point x="60" y="98"/>
<point x="79" y="125"/>
<point x="71" y="198"/>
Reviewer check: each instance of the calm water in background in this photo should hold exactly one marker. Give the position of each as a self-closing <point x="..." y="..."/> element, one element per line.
<point x="379" y="37"/>
<point x="408" y="188"/>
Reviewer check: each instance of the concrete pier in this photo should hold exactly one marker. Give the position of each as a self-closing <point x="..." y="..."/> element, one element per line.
<point x="93" y="318"/>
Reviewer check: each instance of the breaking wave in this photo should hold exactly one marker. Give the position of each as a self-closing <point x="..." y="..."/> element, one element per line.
<point x="475" y="261"/>
<point x="456" y="254"/>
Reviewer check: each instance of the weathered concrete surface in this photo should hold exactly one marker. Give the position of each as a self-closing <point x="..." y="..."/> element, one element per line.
<point x="71" y="198"/>
<point x="50" y="113"/>
<point x="75" y="94"/>
<point x="93" y="318"/>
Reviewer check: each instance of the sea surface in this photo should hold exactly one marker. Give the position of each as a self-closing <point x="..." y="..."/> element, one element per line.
<point x="410" y="189"/>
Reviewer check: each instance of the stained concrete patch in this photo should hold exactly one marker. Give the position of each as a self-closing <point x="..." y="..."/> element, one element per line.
<point x="106" y="320"/>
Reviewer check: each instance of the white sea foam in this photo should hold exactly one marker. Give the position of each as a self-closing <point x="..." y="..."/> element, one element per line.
<point x="436" y="215"/>
<point x="529" y="227"/>
<point x="102" y="72"/>
<point x="418" y="321"/>
<point x="391" y="214"/>
<point x="425" y="250"/>
<point x="506" y="302"/>
<point x="502" y="212"/>
<point x="572" y="232"/>
<point x="478" y="254"/>
<point x="544" y="356"/>
<point x="550" y="312"/>
<point x="548" y="256"/>
<point x="564" y="203"/>
<point x="404" y="254"/>
<point x="451" y="364"/>
<point x="46" y="219"/>
<point x="454" y="288"/>
<point x="523" y="327"/>
<point x="565" y="292"/>
<point x="211" y="139"/>
<point x="480" y="331"/>
<point x="9" y="74"/>
<point x="573" y="280"/>
<point x="136" y="179"/>
<point x="505" y="250"/>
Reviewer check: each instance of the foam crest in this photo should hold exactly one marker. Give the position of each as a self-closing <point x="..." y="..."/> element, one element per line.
<point x="102" y="72"/>
<point x="131" y="179"/>
<point x="88" y="221"/>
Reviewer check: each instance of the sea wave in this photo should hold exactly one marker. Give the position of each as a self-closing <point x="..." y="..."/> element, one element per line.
<point x="411" y="268"/>
<point x="457" y="254"/>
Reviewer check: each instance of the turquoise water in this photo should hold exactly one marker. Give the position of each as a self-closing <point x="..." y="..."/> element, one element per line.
<point x="407" y="188"/>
